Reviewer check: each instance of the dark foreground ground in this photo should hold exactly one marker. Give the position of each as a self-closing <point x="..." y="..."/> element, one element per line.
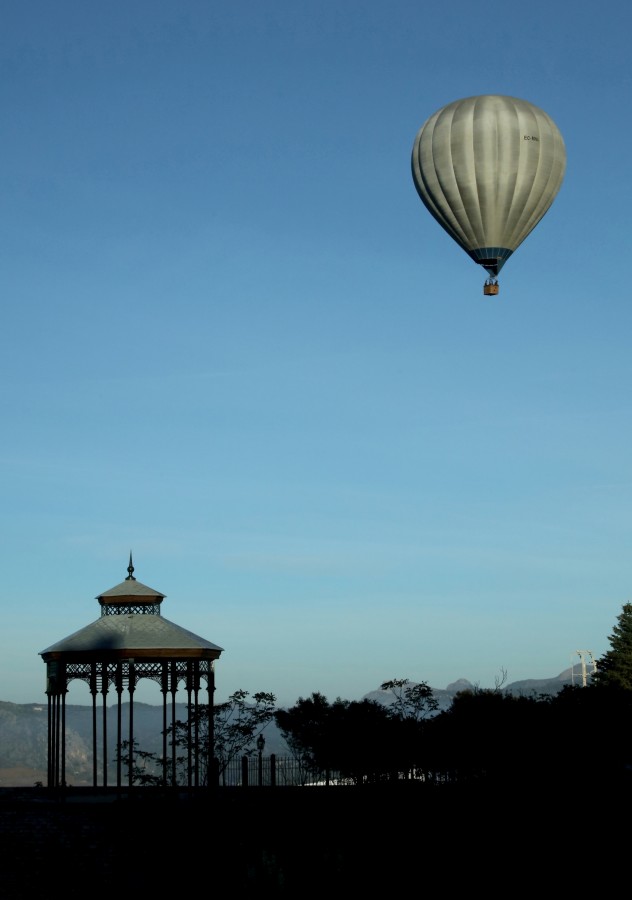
<point x="401" y="839"/>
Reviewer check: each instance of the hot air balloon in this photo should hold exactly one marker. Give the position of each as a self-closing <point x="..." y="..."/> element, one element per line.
<point x="488" y="168"/>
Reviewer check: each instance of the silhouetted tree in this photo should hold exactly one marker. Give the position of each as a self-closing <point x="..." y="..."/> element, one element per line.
<point x="487" y="734"/>
<point x="358" y="739"/>
<point x="614" y="669"/>
<point x="412" y="700"/>
<point x="147" y="768"/>
<point x="592" y="725"/>
<point x="236" y="725"/>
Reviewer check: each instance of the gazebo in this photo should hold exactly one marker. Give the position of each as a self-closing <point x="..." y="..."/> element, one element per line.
<point x="130" y="641"/>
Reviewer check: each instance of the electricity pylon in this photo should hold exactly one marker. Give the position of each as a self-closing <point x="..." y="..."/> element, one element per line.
<point x="583" y="656"/>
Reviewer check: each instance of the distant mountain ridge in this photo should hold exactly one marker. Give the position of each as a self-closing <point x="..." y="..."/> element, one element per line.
<point x="528" y="688"/>
<point x="24" y="729"/>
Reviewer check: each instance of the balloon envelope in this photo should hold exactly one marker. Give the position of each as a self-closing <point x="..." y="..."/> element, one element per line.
<point x="488" y="168"/>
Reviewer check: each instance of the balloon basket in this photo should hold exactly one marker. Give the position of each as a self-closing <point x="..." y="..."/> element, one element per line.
<point x="491" y="288"/>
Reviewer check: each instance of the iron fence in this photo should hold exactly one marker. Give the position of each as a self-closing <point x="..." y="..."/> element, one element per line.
<point x="291" y="771"/>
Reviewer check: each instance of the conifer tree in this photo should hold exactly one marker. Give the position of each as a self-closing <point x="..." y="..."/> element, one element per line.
<point x="614" y="669"/>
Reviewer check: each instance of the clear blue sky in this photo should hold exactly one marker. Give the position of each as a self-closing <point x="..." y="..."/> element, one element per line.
<point x="234" y="342"/>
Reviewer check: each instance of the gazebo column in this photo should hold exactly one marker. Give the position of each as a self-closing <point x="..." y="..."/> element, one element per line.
<point x="52" y="739"/>
<point x="131" y="685"/>
<point x="211" y="772"/>
<point x="94" y="693"/>
<point x="196" y="722"/>
<point x="164" y="687"/>
<point x="56" y="688"/>
<point x="104" y="735"/>
<point x="63" y="736"/>
<point x="174" y="749"/>
<point x="54" y="724"/>
<point x="50" y="732"/>
<point x="190" y="712"/>
<point x="119" y="722"/>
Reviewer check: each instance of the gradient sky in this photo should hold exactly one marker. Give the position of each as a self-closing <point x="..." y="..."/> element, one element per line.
<point x="235" y="343"/>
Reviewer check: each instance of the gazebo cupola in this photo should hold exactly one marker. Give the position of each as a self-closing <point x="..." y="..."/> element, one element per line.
<point x="130" y="597"/>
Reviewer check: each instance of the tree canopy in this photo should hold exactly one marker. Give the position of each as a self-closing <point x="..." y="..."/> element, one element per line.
<point x="236" y="725"/>
<point x="580" y="733"/>
<point x="614" y="669"/>
<point x="360" y="739"/>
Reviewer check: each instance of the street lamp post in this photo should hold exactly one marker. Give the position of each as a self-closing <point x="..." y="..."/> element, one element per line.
<point x="261" y="742"/>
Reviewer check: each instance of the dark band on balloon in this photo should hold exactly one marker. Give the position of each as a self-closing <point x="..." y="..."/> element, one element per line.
<point x="491" y="258"/>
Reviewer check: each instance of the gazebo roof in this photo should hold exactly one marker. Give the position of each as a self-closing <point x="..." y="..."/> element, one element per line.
<point x="132" y="633"/>
<point x="131" y="625"/>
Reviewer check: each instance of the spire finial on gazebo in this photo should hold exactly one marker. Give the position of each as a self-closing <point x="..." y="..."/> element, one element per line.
<point x="130" y="568"/>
